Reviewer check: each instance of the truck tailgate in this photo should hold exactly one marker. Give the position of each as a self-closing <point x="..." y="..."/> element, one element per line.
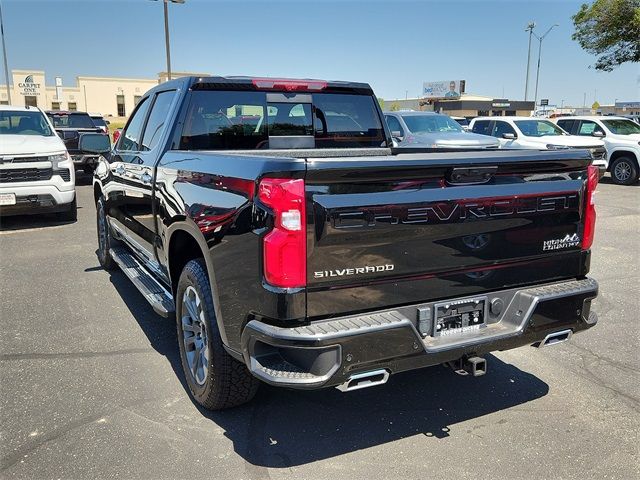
<point x="385" y="231"/>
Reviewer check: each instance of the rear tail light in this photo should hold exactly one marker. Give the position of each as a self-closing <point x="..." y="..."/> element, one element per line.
<point x="285" y="247"/>
<point x="590" y="207"/>
<point x="289" y="85"/>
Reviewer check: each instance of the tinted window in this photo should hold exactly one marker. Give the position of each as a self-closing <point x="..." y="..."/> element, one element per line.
<point x="567" y="125"/>
<point x="538" y="128"/>
<point x="98" y="121"/>
<point x="501" y="128"/>
<point x="290" y="119"/>
<point x="481" y="127"/>
<point x="236" y="120"/>
<point x="587" y="127"/>
<point x="431" y="123"/>
<point x="157" y="118"/>
<point x="130" y="139"/>
<point x="344" y="120"/>
<point x="24" y="123"/>
<point x="74" y="120"/>
<point x="218" y="120"/>
<point x="622" y="127"/>
<point x="394" y="124"/>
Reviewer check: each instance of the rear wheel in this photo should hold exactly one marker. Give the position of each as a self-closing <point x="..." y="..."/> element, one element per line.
<point x="105" y="242"/>
<point x="216" y="380"/>
<point x="624" y="171"/>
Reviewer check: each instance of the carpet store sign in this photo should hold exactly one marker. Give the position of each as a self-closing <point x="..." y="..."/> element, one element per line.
<point x="29" y="87"/>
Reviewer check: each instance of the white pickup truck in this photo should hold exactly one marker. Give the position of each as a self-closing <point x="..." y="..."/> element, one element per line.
<point x="621" y="137"/>
<point x="36" y="172"/>
<point x="537" y="134"/>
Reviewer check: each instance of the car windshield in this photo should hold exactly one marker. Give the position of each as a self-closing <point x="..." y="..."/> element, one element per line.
<point x="539" y="128"/>
<point x="622" y="127"/>
<point x="431" y="123"/>
<point x="24" y="123"/>
<point x="71" y="120"/>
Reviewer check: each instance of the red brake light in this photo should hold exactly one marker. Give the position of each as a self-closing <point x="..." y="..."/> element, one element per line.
<point x="289" y="85"/>
<point x="285" y="247"/>
<point x="590" y="208"/>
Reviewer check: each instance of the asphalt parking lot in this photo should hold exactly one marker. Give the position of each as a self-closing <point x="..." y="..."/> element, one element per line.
<point x="91" y="385"/>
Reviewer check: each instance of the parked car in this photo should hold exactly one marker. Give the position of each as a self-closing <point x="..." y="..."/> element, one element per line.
<point x="537" y="133"/>
<point x="36" y="172"/>
<point x="116" y="134"/>
<point x="433" y="130"/>
<point x="70" y="127"/>
<point x="100" y="122"/>
<point x="463" y="122"/>
<point x="304" y="252"/>
<point x="621" y="137"/>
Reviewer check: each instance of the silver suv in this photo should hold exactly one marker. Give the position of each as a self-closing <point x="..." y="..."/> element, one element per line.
<point x="433" y="130"/>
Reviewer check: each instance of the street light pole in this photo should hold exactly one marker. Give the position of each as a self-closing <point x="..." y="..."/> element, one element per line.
<point x="540" y="39"/>
<point x="4" y="55"/>
<point x="166" y="33"/>
<point x="529" y="29"/>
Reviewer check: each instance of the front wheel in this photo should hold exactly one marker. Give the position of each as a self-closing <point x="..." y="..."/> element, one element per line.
<point x="624" y="171"/>
<point x="105" y="242"/>
<point x="216" y="380"/>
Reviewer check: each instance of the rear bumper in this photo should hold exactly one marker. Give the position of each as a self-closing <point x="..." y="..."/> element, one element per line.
<point x="80" y="160"/>
<point x="328" y="353"/>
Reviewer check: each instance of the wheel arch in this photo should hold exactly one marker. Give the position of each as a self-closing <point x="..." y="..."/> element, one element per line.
<point x="623" y="153"/>
<point x="185" y="243"/>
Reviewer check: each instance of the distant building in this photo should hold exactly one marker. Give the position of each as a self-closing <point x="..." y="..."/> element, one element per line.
<point x="109" y="96"/>
<point x="468" y="105"/>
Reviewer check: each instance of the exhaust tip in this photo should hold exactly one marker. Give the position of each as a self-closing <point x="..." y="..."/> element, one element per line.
<point x="555" y="338"/>
<point x="364" y="380"/>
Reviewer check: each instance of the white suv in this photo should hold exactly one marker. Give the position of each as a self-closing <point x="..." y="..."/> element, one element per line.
<point x="621" y="138"/>
<point x="36" y="172"/>
<point x="537" y="134"/>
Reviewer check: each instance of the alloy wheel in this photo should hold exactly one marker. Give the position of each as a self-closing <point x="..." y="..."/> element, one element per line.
<point x="622" y="171"/>
<point x="194" y="335"/>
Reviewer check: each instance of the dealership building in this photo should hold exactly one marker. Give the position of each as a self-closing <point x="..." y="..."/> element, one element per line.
<point x="466" y="105"/>
<point x="109" y="96"/>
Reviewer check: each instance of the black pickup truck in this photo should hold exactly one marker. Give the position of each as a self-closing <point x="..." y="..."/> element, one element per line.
<point x="293" y="246"/>
<point x="69" y="127"/>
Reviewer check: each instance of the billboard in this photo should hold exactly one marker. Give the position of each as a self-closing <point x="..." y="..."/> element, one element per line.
<point x="443" y="89"/>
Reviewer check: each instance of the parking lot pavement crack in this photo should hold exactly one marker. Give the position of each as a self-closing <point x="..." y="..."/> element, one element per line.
<point x="73" y="355"/>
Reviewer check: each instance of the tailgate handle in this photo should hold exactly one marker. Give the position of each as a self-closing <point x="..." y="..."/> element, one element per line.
<point x="470" y="175"/>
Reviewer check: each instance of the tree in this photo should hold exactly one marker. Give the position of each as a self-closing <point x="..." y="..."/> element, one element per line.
<point x="381" y="102"/>
<point x="609" y="29"/>
<point x="395" y="106"/>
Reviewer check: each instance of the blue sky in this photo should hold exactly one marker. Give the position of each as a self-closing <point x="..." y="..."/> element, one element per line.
<point x="393" y="45"/>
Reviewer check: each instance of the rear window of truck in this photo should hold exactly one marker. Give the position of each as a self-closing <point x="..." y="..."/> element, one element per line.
<point x="71" y="120"/>
<point x="240" y="120"/>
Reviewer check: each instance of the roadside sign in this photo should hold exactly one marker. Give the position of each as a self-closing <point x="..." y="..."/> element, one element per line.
<point x="544" y="102"/>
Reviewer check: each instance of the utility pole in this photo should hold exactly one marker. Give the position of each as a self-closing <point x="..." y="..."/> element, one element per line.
<point x="529" y="29"/>
<point x="4" y="55"/>
<point x="540" y="39"/>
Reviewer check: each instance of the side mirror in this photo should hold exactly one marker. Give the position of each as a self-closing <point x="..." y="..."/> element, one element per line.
<point x="509" y="136"/>
<point x="597" y="133"/>
<point x="396" y="134"/>
<point x="94" y="143"/>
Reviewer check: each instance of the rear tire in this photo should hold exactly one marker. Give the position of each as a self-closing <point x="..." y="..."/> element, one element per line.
<point x="216" y="380"/>
<point x="105" y="241"/>
<point x="71" y="214"/>
<point x="624" y="171"/>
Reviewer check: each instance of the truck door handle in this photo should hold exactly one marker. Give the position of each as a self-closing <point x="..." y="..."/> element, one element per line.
<point x="145" y="177"/>
<point x="119" y="170"/>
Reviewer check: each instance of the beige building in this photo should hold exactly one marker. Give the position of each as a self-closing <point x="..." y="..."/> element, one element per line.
<point x="109" y="96"/>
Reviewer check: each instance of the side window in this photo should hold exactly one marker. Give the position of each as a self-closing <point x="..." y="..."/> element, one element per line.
<point x="481" y="127"/>
<point x="130" y="138"/>
<point x="501" y="128"/>
<point x="567" y="126"/>
<point x="394" y="124"/>
<point x="157" y="118"/>
<point x="587" y="127"/>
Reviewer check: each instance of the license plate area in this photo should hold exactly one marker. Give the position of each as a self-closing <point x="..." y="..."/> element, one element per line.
<point x="460" y="316"/>
<point x="7" y="198"/>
